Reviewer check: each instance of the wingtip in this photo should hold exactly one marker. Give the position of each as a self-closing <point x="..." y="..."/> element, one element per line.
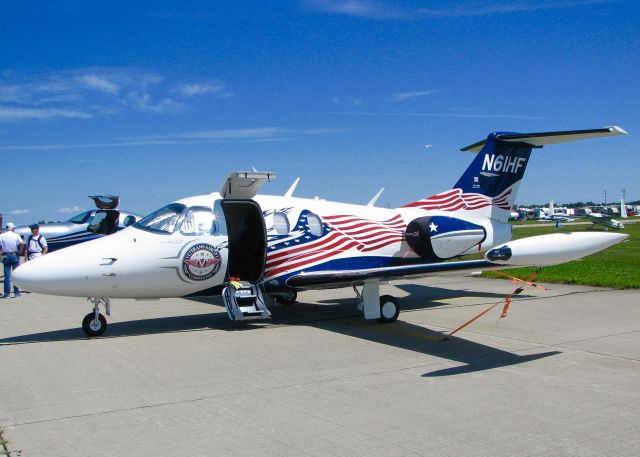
<point x="617" y="130"/>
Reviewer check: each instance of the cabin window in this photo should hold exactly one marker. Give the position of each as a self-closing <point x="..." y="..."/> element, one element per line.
<point x="197" y="221"/>
<point x="315" y="224"/>
<point x="163" y="220"/>
<point x="281" y="223"/>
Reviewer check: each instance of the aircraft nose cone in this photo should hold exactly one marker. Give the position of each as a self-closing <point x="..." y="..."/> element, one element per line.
<point x="50" y="274"/>
<point x="80" y="270"/>
<point x="25" y="275"/>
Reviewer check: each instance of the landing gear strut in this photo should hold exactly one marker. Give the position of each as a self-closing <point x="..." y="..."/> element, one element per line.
<point x="94" y="323"/>
<point x="385" y="309"/>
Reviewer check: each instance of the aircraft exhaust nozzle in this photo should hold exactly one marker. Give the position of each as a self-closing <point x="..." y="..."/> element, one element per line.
<point x="552" y="249"/>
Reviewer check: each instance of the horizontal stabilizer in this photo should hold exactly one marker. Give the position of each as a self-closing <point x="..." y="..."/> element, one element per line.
<point x="542" y="138"/>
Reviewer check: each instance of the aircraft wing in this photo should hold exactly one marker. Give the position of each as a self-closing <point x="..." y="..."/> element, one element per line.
<point x="341" y="278"/>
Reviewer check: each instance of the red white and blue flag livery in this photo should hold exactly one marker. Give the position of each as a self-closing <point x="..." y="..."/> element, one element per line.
<point x="244" y="245"/>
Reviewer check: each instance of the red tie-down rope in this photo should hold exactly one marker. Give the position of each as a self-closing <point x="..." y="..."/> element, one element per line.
<point x="507" y="300"/>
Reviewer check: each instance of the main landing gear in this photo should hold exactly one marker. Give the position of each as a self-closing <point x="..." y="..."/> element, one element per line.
<point x="383" y="308"/>
<point x="94" y="323"/>
<point x="287" y="297"/>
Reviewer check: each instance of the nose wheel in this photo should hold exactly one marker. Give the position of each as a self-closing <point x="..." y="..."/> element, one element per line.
<point x="93" y="326"/>
<point x="94" y="323"/>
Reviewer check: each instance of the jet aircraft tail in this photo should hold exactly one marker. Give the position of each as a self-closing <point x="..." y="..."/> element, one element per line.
<point x="490" y="184"/>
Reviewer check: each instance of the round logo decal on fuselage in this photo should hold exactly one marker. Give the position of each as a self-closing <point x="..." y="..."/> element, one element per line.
<point x="201" y="262"/>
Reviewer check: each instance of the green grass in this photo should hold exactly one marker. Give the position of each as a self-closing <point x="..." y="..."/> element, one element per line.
<point x="617" y="267"/>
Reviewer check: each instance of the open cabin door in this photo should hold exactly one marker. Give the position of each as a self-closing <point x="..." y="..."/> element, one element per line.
<point x="247" y="245"/>
<point x="247" y="236"/>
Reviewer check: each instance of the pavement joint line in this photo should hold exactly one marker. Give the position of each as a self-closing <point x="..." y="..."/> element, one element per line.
<point x="220" y="395"/>
<point x="561" y="345"/>
<point x="440" y="361"/>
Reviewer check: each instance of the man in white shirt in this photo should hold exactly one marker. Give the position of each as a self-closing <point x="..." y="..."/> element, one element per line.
<point x="11" y="245"/>
<point x="36" y="244"/>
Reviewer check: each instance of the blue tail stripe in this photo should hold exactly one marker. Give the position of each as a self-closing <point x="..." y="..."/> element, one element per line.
<point x="497" y="167"/>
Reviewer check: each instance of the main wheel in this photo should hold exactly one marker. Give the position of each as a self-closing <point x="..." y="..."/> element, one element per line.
<point x="288" y="298"/>
<point x="93" y="327"/>
<point x="389" y="309"/>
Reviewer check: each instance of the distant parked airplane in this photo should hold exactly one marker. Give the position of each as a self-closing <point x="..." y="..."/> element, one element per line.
<point x="104" y="220"/>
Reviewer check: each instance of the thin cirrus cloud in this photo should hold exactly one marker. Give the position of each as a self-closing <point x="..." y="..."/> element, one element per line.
<point x="18" y="114"/>
<point x="213" y="88"/>
<point x="402" y="96"/>
<point x="19" y="212"/>
<point x="371" y="9"/>
<point x="93" y="92"/>
<point x="70" y="210"/>
<point x="257" y="134"/>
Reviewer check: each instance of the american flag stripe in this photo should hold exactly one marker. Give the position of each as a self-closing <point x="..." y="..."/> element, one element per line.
<point x="318" y="257"/>
<point x="383" y="244"/>
<point x="455" y="200"/>
<point x="341" y="233"/>
<point x="301" y="248"/>
<point x="329" y="245"/>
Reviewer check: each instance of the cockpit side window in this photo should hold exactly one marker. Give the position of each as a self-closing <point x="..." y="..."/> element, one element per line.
<point x="81" y="218"/>
<point x="197" y="221"/>
<point x="164" y="220"/>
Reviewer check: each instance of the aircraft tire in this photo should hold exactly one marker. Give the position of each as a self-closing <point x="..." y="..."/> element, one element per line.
<point x="389" y="309"/>
<point x="289" y="298"/>
<point x="93" y="328"/>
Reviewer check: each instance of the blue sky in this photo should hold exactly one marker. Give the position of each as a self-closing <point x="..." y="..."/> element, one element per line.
<point x="154" y="101"/>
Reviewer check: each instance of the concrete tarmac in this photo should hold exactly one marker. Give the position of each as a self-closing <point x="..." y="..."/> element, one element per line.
<point x="560" y="376"/>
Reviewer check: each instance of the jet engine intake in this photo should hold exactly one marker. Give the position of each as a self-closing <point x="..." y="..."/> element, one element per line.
<point x="442" y="237"/>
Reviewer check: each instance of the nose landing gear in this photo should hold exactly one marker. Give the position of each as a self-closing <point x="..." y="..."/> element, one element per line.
<point x="94" y="323"/>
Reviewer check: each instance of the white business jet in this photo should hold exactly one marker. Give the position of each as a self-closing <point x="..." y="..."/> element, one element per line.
<point x="245" y="246"/>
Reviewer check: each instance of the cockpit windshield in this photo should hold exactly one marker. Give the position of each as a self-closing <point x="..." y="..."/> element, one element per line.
<point x="80" y="218"/>
<point x="164" y="220"/>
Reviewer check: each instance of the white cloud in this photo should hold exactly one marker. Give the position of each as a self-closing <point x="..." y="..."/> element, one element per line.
<point x="99" y="83"/>
<point x="70" y="210"/>
<point x="442" y="115"/>
<point x="198" y="137"/>
<point x="17" y="212"/>
<point x="94" y="92"/>
<point x="18" y="114"/>
<point x="237" y="134"/>
<point x="213" y="88"/>
<point x="401" y="96"/>
<point x="358" y="8"/>
<point x="378" y="10"/>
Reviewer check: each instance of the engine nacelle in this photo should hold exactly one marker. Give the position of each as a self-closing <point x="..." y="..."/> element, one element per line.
<point x="442" y="237"/>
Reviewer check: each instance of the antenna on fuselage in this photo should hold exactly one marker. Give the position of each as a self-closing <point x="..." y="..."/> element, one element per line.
<point x="289" y="193"/>
<point x="375" y="198"/>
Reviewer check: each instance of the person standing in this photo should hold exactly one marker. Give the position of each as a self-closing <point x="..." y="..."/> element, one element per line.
<point x="36" y="244"/>
<point x="11" y="245"/>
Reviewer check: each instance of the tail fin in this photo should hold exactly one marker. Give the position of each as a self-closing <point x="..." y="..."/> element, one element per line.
<point x="623" y="209"/>
<point x="490" y="184"/>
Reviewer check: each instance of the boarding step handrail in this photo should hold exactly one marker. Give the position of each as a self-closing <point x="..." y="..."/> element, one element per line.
<point x="245" y="301"/>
